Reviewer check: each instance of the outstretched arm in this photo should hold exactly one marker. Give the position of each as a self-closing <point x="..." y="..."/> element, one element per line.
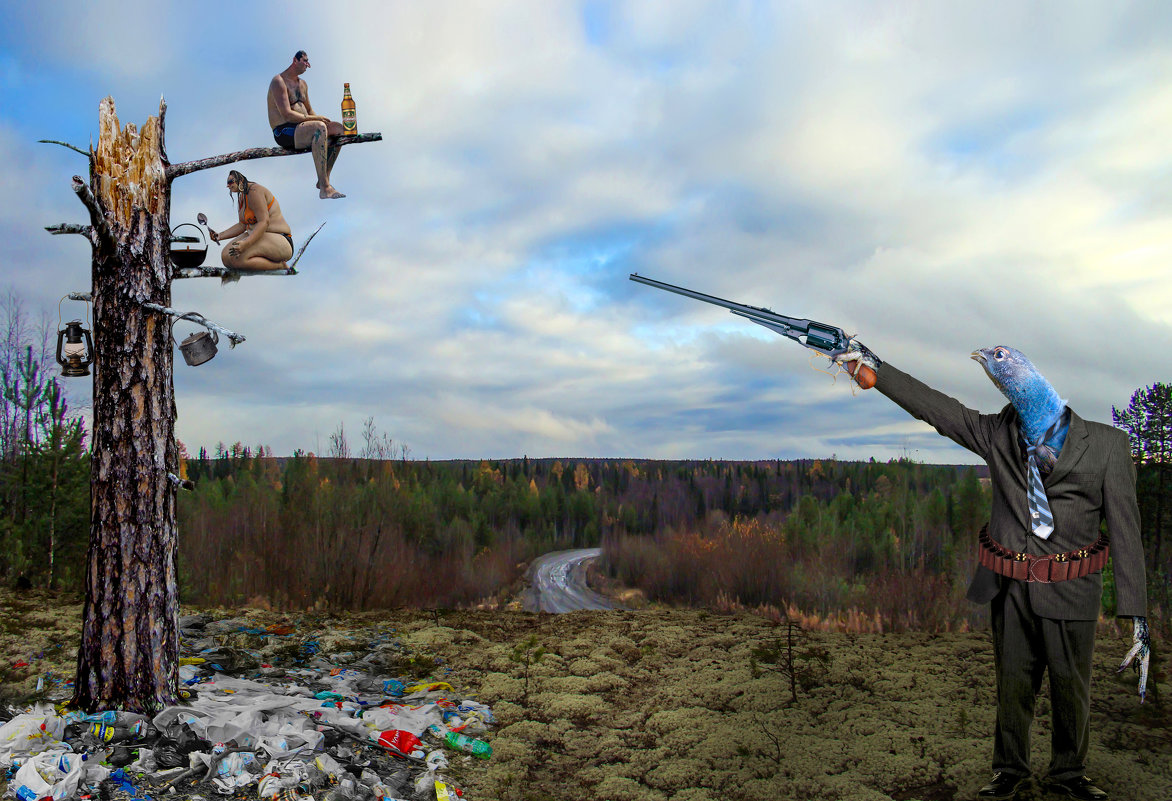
<point x="966" y="427"/>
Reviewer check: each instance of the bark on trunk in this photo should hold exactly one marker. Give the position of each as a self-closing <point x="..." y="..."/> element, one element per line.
<point x="130" y="636"/>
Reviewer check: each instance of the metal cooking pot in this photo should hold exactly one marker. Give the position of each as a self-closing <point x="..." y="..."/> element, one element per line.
<point x="188" y="251"/>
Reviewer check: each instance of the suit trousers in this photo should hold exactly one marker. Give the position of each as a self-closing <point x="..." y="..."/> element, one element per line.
<point x="1025" y="646"/>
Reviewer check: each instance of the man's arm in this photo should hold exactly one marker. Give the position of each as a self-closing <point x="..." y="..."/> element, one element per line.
<point x="308" y="106"/>
<point x="964" y="426"/>
<point x="280" y="97"/>
<point x="1121" y="511"/>
<point x="305" y="100"/>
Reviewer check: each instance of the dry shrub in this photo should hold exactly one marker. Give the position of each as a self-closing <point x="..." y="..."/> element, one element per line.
<point x="748" y="564"/>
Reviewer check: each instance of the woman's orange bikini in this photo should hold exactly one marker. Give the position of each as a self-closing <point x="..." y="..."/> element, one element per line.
<point x="247" y="215"/>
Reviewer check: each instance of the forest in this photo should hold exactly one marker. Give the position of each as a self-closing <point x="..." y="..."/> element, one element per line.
<point x="863" y="545"/>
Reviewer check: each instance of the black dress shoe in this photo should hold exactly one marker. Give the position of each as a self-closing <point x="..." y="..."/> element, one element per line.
<point x="1004" y="786"/>
<point x="1080" y="788"/>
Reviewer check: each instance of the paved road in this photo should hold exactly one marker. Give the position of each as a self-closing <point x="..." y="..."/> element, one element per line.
<point x="557" y="583"/>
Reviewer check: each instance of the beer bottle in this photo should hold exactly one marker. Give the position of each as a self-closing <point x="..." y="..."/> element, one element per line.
<point x="349" y="113"/>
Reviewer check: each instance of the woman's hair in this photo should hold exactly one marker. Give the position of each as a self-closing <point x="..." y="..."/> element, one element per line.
<point x="241" y="181"/>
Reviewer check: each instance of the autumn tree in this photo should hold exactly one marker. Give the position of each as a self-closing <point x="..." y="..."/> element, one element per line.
<point x="129" y="653"/>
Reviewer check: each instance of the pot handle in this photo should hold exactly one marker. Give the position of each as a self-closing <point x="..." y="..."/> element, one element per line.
<point x="202" y="237"/>
<point x="188" y="316"/>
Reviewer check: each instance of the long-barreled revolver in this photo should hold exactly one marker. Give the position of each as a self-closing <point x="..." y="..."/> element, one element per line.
<point x="828" y="340"/>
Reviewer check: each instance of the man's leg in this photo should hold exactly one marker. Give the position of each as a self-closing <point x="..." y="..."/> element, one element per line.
<point x="332" y="151"/>
<point x="1019" y="660"/>
<point x="1070" y="644"/>
<point x="313" y="135"/>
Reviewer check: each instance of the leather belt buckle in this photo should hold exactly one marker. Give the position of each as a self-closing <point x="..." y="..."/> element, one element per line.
<point x="1031" y="576"/>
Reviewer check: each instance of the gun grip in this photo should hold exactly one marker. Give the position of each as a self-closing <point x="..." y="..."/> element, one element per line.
<point x="864" y="376"/>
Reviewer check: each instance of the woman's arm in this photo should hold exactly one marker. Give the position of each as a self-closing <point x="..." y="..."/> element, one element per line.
<point x="227" y="233"/>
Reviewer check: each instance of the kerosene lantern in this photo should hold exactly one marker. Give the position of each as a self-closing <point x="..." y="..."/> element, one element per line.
<point x="74" y="355"/>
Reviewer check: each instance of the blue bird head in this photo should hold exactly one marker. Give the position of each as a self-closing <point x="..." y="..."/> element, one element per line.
<point x="1036" y="402"/>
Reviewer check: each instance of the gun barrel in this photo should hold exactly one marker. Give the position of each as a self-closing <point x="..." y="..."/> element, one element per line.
<point x="728" y="304"/>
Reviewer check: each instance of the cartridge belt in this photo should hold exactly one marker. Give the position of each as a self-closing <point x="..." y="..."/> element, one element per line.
<point x="1045" y="569"/>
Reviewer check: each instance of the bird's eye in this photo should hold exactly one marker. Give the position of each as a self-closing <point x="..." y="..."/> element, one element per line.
<point x="999" y="354"/>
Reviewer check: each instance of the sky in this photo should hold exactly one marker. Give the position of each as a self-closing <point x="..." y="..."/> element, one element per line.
<point x="932" y="177"/>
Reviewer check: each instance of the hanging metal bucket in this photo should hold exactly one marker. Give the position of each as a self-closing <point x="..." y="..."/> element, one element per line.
<point x="188" y="251"/>
<point x="197" y="348"/>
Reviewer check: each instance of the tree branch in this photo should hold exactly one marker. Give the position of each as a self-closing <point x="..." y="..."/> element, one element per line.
<point x="188" y="167"/>
<point x="85" y="153"/>
<point x="105" y="236"/>
<point x="181" y="483"/>
<point x="69" y="228"/>
<point x="303" y="247"/>
<point x="234" y="339"/>
<point x="223" y="272"/>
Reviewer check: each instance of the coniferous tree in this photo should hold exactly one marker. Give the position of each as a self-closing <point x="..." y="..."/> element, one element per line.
<point x="1148" y="423"/>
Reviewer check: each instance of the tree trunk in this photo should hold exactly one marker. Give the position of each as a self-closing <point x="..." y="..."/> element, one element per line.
<point x="130" y="637"/>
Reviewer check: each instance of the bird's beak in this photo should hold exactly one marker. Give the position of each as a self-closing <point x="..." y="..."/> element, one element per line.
<point x="978" y="356"/>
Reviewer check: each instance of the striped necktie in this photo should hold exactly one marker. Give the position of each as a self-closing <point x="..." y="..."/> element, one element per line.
<point x="1041" y="519"/>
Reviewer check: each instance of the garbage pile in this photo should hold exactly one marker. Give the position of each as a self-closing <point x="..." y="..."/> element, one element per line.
<point x="278" y="723"/>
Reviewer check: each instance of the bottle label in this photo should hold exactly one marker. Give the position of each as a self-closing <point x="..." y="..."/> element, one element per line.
<point x="349" y="122"/>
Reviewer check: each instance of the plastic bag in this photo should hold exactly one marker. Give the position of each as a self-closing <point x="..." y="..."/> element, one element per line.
<point x="399" y="742"/>
<point x="52" y="774"/>
<point x="170" y="722"/>
<point x="30" y="733"/>
<point x="414" y="719"/>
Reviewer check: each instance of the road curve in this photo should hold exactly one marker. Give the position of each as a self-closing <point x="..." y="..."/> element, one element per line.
<point x="557" y="583"/>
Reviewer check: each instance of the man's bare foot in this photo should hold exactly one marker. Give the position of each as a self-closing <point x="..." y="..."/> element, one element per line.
<point x="329" y="193"/>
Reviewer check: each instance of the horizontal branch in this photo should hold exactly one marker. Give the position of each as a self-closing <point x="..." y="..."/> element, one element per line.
<point x="188" y="167"/>
<point x="224" y="272"/>
<point x="234" y="339"/>
<point x="85" y="153"/>
<point x="97" y="217"/>
<point x="85" y="297"/>
<point x="69" y="228"/>
<point x="181" y="483"/>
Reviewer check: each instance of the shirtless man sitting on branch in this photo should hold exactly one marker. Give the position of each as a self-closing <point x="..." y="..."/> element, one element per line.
<point x="296" y="127"/>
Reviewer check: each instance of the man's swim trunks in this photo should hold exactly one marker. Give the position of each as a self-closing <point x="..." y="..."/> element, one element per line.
<point x="283" y="133"/>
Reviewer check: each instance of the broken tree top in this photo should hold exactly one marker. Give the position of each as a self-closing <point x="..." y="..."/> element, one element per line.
<point x="175" y="170"/>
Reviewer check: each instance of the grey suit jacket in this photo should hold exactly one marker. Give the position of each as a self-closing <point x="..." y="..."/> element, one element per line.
<point x="1093" y="481"/>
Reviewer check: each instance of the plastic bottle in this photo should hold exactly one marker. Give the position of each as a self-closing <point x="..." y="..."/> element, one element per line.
<point x="117" y="732"/>
<point x="462" y="742"/>
<point x="77" y="716"/>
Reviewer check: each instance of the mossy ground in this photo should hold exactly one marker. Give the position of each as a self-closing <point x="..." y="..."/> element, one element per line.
<point x="680" y="706"/>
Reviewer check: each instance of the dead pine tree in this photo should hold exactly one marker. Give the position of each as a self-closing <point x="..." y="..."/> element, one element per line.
<point x="129" y="654"/>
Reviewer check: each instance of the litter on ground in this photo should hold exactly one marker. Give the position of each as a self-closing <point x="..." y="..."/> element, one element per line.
<point x="264" y="716"/>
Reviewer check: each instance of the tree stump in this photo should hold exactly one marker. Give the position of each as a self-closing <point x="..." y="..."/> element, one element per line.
<point x="130" y="635"/>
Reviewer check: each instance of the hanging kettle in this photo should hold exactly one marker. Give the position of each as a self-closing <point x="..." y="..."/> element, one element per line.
<point x="188" y="251"/>
<point x="199" y="347"/>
